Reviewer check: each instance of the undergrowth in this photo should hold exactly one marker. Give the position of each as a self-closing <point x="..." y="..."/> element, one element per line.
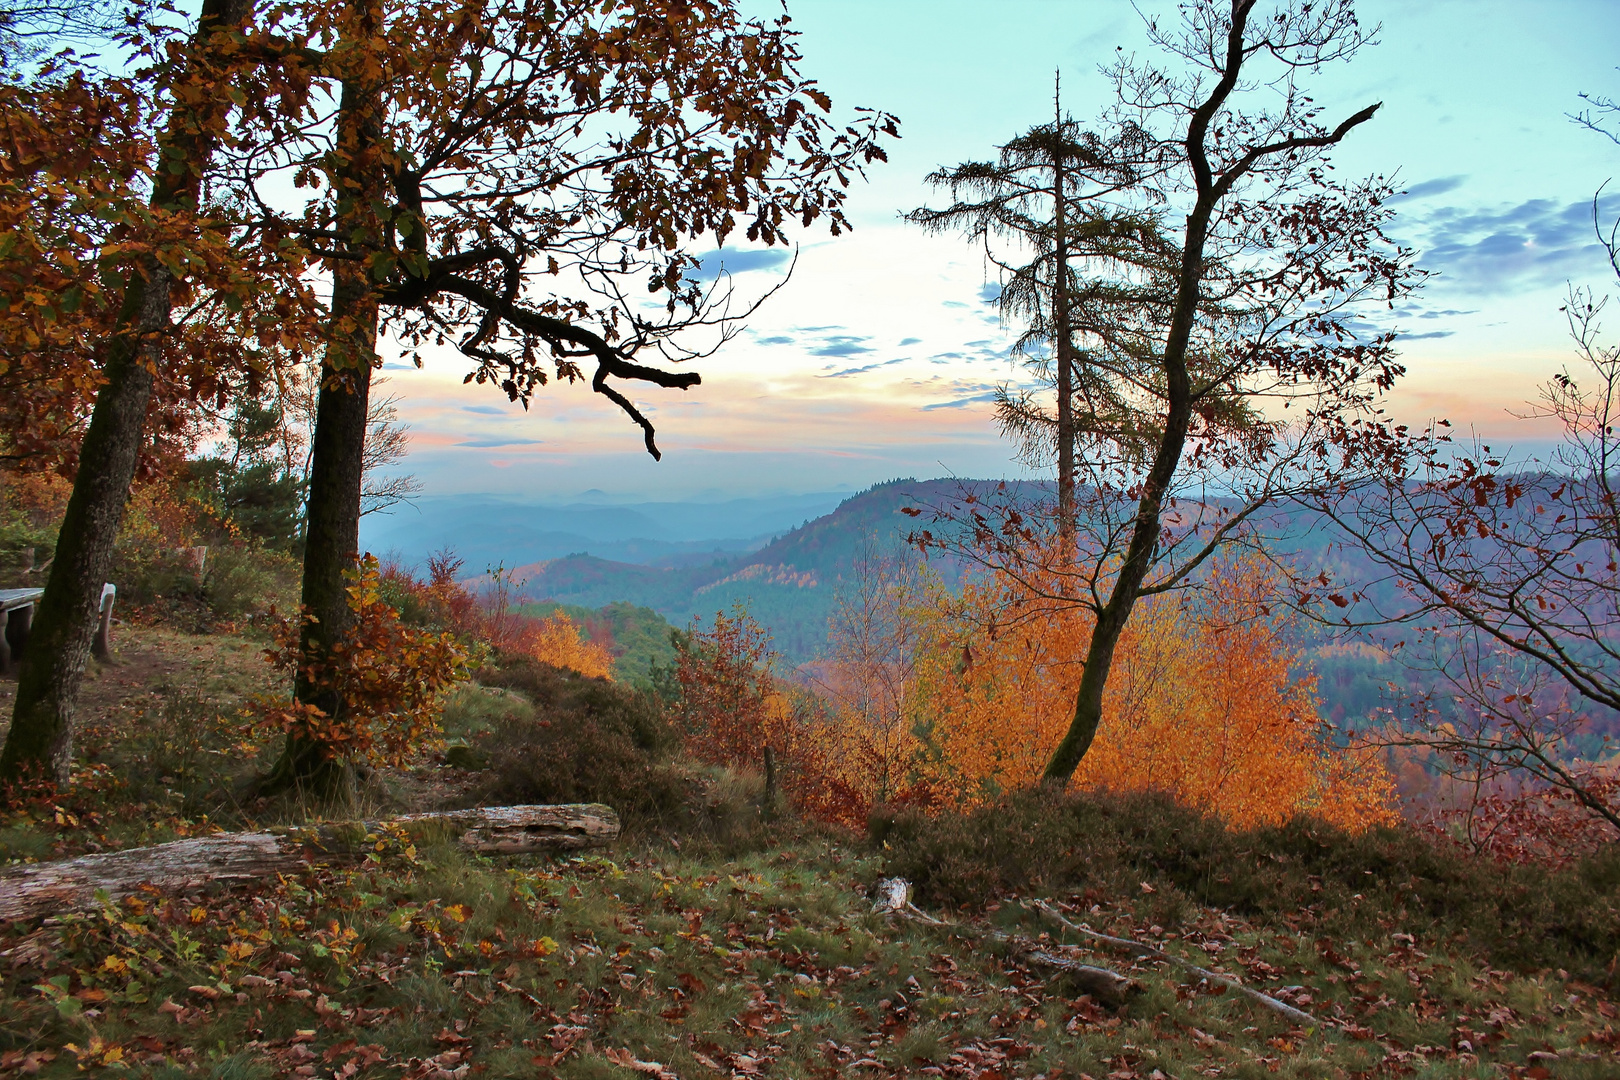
<point x="1304" y="873"/>
<point x="715" y="941"/>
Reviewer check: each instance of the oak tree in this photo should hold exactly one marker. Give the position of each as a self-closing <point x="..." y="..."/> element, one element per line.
<point x="166" y="247"/>
<point x="508" y="178"/>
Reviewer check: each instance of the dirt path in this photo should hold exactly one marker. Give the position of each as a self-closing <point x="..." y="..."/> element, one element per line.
<point x="151" y="661"/>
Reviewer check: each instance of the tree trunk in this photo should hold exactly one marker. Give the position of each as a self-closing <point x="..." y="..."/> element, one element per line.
<point x="28" y="892"/>
<point x="1139" y="553"/>
<point x="39" y="745"/>
<point x="1062" y="347"/>
<point x="337" y="451"/>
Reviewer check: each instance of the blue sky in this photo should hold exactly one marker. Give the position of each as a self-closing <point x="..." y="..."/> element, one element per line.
<point x="879" y="356"/>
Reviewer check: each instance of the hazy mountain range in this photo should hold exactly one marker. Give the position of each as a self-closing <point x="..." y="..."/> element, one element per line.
<point x="784" y="557"/>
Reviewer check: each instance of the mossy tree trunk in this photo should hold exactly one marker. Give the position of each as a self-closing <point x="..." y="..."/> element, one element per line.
<point x="39" y="745"/>
<point x="337" y="451"/>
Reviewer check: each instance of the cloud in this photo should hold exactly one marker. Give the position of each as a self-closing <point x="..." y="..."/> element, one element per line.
<point x="1438" y="186"/>
<point x="399" y="367"/>
<point x="1490" y="251"/>
<point x="842" y="345"/>
<point x="961" y="402"/>
<point x="861" y="370"/>
<point x="489" y="444"/>
<point x="990" y="294"/>
<point x="737" y="262"/>
<point x="486" y="410"/>
<point x="776" y="339"/>
<point x="910" y="341"/>
<point x="1430" y="334"/>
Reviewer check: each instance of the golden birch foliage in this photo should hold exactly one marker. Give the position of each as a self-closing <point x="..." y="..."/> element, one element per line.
<point x="557" y="640"/>
<point x="1204" y="704"/>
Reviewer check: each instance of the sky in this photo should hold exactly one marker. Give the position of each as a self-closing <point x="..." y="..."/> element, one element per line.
<point x="879" y="355"/>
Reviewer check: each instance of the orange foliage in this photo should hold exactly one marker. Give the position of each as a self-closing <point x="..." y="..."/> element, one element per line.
<point x="1202" y="704"/>
<point x="559" y="641"/>
<point x="388" y="676"/>
<point x="728" y="708"/>
<point x="556" y="639"/>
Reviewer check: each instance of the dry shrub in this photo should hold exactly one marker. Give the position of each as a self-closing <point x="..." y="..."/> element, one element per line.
<point x="388" y="677"/>
<point x="1205" y="704"/>
<point x="443" y="603"/>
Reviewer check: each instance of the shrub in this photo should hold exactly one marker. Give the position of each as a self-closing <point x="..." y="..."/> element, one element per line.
<point x="589" y="740"/>
<point x="247" y="580"/>
<point x="388" y="678"/>
<point x="1304" y="871"/>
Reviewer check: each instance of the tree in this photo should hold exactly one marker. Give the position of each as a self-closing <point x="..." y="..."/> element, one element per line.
<point x="1503" y="579"/>
<point x="173" y="250"/>
<point x="1206" y="704"/>
<point x="29" y="28"/>
<point x="1045" y="193"/>
<point x="869" y="676"/>
<point x="1253" y="315"/>
<point x="479" y="151"/>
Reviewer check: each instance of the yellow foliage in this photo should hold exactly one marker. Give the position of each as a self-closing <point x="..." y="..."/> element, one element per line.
<point x="556" y="640"/>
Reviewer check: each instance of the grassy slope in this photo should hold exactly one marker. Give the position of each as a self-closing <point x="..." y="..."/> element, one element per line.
<point x="757" y="961"/>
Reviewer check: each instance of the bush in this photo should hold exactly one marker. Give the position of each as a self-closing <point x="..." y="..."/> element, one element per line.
<point x="589" y="740"/>
<point x="1303" y="871"/>
<point x="249" y="580"/>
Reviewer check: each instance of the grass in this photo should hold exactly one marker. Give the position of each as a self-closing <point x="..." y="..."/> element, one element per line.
<point x="753" y="950"/>
<point x="769" y="964"/>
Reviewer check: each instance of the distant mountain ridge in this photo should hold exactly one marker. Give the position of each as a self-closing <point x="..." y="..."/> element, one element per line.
<point x="789" y="585"/>
<point x="487" y="530"/>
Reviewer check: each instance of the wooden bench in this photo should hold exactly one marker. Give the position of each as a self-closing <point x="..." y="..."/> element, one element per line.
<point x="17" y="613"/>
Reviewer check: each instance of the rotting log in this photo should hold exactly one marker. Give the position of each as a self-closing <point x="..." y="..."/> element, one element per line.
<point x="38" y="889"/>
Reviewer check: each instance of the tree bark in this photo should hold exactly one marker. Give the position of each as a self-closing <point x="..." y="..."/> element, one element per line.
<point x="39" y="745"/>
<point x="29" y="892"/>
<point x="337" y="451"/>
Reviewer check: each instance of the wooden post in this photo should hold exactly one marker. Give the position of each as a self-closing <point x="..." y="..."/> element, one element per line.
<point x="18" y="621"/>
<point x="770" y="783"/>
<point x="101" y="647"/>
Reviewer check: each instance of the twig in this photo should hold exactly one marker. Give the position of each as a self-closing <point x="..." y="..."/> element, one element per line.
<point x="1108" y="987"/>
<point x="1143" y="949"/>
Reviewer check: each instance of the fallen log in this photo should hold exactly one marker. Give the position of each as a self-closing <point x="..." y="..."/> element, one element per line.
<point x="1142" y="948"/>
<point x="1106" y="987"/>
<point x="30" y="891"/>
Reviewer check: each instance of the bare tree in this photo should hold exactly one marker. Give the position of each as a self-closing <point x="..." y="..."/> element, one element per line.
<point x="1244" y="360"/>
<point x="870" y="669"/>
<point x="388" y="440"/>
<point x="1505" y="580"/>
<point x="31" y="28"/>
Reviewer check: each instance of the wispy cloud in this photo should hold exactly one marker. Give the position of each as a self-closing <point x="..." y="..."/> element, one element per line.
<point x="489" y="444"/>
<point x="1438" y="186"/>
<point x="738" y="262"/>
<point x="960" y="403"/>
<point x="486" y="410"/>
<point x="1491" y="251"/>
<point x="862" y="370"/>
